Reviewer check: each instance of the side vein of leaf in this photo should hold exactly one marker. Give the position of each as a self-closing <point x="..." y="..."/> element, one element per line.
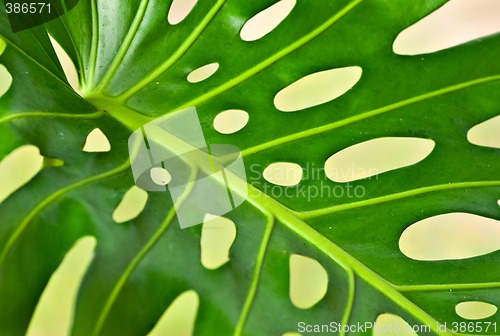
<point x="142" y="253"/>
<point x="350" y="299"/>
<point x="124" y="47"/>
<point x="363" y="116"/>
<point x="256" y="275"/>
<point x="94" y="115"/>
<point x="174" y="57"/>
<point x="49" y="200"/>
<point x="394" y="197"/>
<point x="94" y="44"/>
<point x="446" y="287"/>
<point x="271" y="60"/>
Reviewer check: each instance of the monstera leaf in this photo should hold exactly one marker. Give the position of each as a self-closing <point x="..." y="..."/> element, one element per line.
<point x="132" y="66"/>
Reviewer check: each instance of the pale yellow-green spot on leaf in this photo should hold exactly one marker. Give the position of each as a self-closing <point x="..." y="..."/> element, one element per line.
<point x="455" y="23"/>
<point x="96" y="142"/>
<point x="131" y="205"/>
<point x="179" y="10"/>
<point x="217" y="237"/>
<point x="202" y="73"/>
<point x="450" y="236"/>
<point x="392" y="325"/>
<point x="67" y="65"/>
<point x="283" y="173"/>
<point x="376" y="156"/>
<point x="5" y="80"/>
<point x="230" y="121"/>
<point x="308" y="281"/>
<point x="18" y="168"/>
<point x="54" y="312"/>
<point x="475" y="310"/>
<point x="180" y="316"/>
<point x="486" y="134"/>
<point x="160" y="176"/>
<point x="266" y="21"/>
<point x="317" y="88"/>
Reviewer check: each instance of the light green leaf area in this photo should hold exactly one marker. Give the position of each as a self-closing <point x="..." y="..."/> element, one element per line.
<point x="132" y="66"/>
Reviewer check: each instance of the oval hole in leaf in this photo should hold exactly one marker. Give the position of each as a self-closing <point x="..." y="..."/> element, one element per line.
<point x="393" y="325"/>
<point x="202" y="73"/>
<point x="450" y="236"/>
<point x="160" y="175"/>
<point x="96" y="142"/>
<point x="217" y="237"/>
<point x="266" y="21"/>
<point x="376" y="156"/>
<point x="5" y="80"/>
<point x="18" y="168"/>
<point x="317" y="88"/>
<point x="67" y="65"/>
<point x="230" y="121"/>
<point x="308" y="281"/>
<point x="486" y="134"/>
<point x="54" y="312"/>
<point x="283" y="173"/>
<point x="180" y="316"/>
<point x="455" y="23"/>
<point x="179" y="10"/>
<point x="131" y="205"/>
<point x="475" y="310"/>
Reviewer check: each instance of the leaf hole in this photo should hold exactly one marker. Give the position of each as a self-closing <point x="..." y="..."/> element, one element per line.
<point x="450" y="236"/>
<point x="217" y="237"/>
<point x="131" y="205"/>
<point x="308" y="281"/>
<point x="96" y="142"/>
<point x="317" y="88"/>
<point x="392" y="325"/>
<point x="160" y="176"/>
<point x="202" y="73"/>
<point x="18" y="168"/>
<point x="54" y="312"/>
<point x="455" y="23"/>
<point x="180" y="317"/>
<point x="230" y="121"/>
<point x="376" y="156"/>
<point x="486" y="133"/>
<point x="5" y="80"/>
<point x="179" y="10"/>
<point x="267" y="20"/>
<point x="475" y="310"/>
<point x="285" y="174"/>
<point x="67" y="65"/>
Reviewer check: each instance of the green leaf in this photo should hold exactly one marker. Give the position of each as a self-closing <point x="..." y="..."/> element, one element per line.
<point x="132" y="66"/>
